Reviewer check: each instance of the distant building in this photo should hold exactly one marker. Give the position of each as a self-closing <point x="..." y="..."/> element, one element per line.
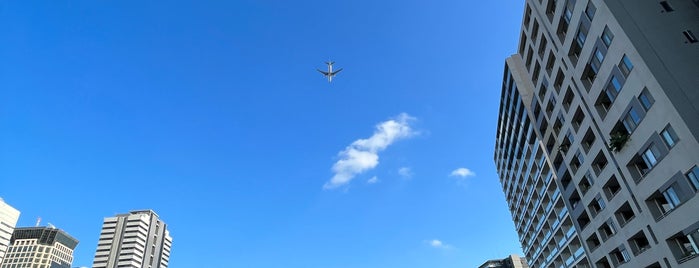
<point x="40" y="247"/>
<point x="597" y="145"/>
<point x="512" y="261"/>
<point x="8" y="220"/>
<point x="138" y="239"/>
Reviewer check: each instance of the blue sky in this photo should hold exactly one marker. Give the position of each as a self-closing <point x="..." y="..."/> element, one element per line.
<point x="211" y="113"/>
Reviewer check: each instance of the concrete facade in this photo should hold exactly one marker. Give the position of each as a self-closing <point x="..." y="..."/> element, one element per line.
<point x="138" y="239"/>
<point x="8" y="220"/>
<point x="40" y="247"/>
<point x="512" y="261"/>
<point x="610" y="88"/>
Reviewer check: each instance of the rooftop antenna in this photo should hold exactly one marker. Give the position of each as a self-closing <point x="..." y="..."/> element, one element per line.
<point x="38" y="221"/>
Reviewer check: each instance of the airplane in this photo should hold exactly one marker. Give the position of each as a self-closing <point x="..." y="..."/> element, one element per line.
<point x="330" y="74"/>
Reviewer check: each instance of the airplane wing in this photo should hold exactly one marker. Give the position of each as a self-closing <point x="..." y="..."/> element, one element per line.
<point x="324" y="73"/>
<point x="335" y="72"/>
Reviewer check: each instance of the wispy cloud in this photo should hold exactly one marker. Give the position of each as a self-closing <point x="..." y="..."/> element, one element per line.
<point x="405" y="172"/>
<point x="362" y="154"/>
<point x="463" y="173"/>
<point x="373" y="180"/>
<point x="435" y="243"/>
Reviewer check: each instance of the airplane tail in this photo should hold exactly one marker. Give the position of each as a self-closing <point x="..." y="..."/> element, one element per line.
<point x="329" y="62"/>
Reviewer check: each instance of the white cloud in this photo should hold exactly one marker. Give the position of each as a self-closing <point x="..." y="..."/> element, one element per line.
<point x="362" y="154"/>
<point x="435" y="243"/>
<point x="373" y="180"/>
<point x="463" y="173"/>
<point x="405" y="172"/>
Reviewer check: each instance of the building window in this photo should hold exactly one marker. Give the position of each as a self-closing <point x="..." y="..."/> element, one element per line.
<point x="588" y="140"/>
<point x="631" y="120"/>
<point x="590" y="10"/>
<point x="625" y="66"/>
<point x="639" y="243"/>
<point x="645" y="99"/>
<point x="613" y="88"/>
<point x="690" y="36"/>
<point x="669" y="201"/>
<point x="693" y="177"/>
<point x="666" y="6"/>
<point x="620" y="256"/>
<point x="650" y="156"/>
<point x="593" y="241"/>
<point x="586" y="183"/>
<point x="607" y="36"/>
<point x="669" y="136"/>
<point x="624" y="214"/>
<point x="684" y="246"/>
<point x="550" y="62"/>
<point x="607" y="230"/>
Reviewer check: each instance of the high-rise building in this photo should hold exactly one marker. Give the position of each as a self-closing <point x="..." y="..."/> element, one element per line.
<point x="40" y="247"/>
<point x="8" y="220"/>
<point x="138" y="239"/>
<point x="512" y="261"/>
<point x="597" y="142"/>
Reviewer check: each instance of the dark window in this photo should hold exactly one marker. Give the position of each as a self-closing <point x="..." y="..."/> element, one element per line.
<point x="612" y="187"/>
<point x="690" y="36"/>
<point x="666" y="6"/>
<point x="684" y="246"/>
<point x="625" y="66"/>
<point x="620" y="256"/>
<point x="607" y="36"/>
<point x="590" y="10"/>
<point x="645" y="99"/>
<point x="639" y="243"/>
<point x="693" y="177"/>
<point x="631" y="120"/>
<point x="624" y="214"/>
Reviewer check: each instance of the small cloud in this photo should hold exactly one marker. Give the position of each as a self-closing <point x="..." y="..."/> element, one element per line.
<point x="363" y="154"/>
<point x="405" y="172"/>
<point x="373" y="180"/>
<point x="435" y="243"/>
<point x="462" y="172"/>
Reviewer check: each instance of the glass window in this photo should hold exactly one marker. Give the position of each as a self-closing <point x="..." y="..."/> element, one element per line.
<point x="645" y="99"/>
<point x="671" y="197"/>
<point x="631" y="120"/>
<point x="615" y="83"/>
<point x="607" y="36"/>
<point x="581" y="37"/>
<point x="693" y="177"/>
<point x="649" y="156"/>
<point x="625" y="66"/>
<point x="599" y="55"/>
<point x="669" y="136"/>
<point x="590" y="10"/>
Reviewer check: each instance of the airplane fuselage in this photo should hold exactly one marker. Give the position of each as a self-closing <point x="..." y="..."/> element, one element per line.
<point x="330" y="74"/>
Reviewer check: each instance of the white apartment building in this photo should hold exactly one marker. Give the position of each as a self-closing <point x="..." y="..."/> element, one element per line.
<point x="8" y="220"/>
<point x="138" y="239"/>
<point x="610" y="90"/>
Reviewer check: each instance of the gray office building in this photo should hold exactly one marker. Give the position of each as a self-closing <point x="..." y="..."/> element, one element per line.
<point x="138" y="239"/>
<point x="40" y="247"/>
<point x="512" y="261"/>
<point x="597" y="140"/>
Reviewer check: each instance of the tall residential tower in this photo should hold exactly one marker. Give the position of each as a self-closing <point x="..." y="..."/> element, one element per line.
<point x="8" y="220"/>
<point x="597" y="141"/>
<point x="138" y="239"/>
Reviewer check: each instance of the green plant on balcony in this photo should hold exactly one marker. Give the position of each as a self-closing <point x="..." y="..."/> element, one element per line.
<point x="617" y="141"/>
